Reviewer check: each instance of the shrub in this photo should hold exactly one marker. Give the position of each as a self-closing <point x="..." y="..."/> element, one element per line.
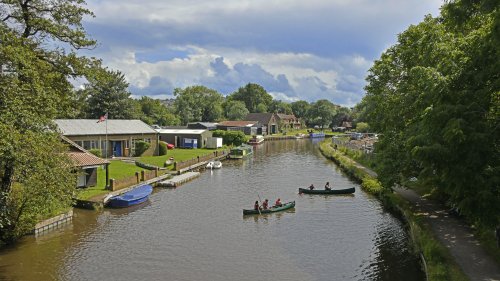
<point x="96" y="152"/>
<point x="141" y="147"/>
<point x="162" y="148"/>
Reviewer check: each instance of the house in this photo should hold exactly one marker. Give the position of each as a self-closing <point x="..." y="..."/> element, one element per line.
<point x="202" y="125"/>
<point x="188" y="138"/>
<point x="85" y="163"/>
<point x="268" y="120"/>
<point x="247" y="127"/>
<point x="289" y="121"/>
<point x="347" y="125"/>
<point x="112" y="137"/>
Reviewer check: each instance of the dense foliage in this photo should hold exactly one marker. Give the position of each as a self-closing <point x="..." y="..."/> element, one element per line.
<point x="230" y="137"/>
<point x="435" y="97"/>
<point x="34" y="89"/>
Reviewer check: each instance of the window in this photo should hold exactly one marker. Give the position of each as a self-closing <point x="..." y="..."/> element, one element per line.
<point x="148" y="140"/>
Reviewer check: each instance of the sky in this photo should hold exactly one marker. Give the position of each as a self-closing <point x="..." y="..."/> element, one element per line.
<point x="297" y="50"/>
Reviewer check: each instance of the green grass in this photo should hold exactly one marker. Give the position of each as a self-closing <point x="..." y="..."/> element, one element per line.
<point x="119" y="169"/>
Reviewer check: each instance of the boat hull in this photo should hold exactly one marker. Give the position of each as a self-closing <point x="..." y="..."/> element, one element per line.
<point x="135" y="196"/>
<point x="285" y="206"/>
<point x="323" y="191"/>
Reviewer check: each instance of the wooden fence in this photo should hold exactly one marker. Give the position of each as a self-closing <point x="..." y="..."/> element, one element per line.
<point x="137" y="178"/>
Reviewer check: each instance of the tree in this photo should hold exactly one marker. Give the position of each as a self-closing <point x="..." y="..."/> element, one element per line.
<point x="35" y="176"/>
<point x="300" y="108"/>
<point x="235" y="110"/>
<point x="343" y="115"/>
<point x="254" y="96"/>
<point x="434" y="98"/>
<point x="278" y="106"/>
<point x="362" y="127"/>
<point x="321" y="113"/>
<point x="154" y="112"/>
<point x="198" y="103"/>
<point x="107" y="92"/>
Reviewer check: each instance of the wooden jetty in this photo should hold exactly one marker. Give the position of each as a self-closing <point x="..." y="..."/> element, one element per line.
<point x="179" y="179"/>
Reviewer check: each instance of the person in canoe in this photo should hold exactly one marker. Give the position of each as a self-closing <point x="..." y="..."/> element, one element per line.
<point x="265" y="204"/>
<point x="256" y="206"/>
<point x="278" y="203"/>
<point x="327" y="186"/>
<point x="311" y="187"/>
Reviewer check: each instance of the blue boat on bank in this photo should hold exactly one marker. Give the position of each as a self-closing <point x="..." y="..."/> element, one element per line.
<point x="132" y="197"/>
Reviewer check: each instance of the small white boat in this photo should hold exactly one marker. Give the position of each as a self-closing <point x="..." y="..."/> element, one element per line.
<point x="214" y="165"/>
<point x="217" y="165"/>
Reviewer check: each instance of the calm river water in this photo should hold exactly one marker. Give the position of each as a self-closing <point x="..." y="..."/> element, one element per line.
<point x="198" y="232"/>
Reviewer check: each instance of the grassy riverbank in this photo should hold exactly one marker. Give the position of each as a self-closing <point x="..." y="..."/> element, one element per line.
<point x="440" y="264"/>
<point x="120" y="170"/>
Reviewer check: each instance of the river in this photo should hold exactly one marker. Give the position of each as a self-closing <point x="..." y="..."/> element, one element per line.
<point x="197" y="231"/>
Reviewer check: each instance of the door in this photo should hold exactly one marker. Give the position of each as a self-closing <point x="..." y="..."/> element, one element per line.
<point x="117" y="148"/>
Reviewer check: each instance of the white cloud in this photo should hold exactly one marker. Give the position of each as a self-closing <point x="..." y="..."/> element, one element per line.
<point x="296" y="49"/>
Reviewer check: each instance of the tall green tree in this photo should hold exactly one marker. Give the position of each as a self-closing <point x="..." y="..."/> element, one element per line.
<point x="35" y="177"/>
<point x="300" y="108"/>
<point x="254" y="96"/>
<point x="198" y="103"/>
<point x="321" y="113"/>
<point x="235" y="110"/>
<point x="278" y="106"/>
<point x="107" y="92"/>
<point x="154" y="112"/>
<point x="434" y="98"/>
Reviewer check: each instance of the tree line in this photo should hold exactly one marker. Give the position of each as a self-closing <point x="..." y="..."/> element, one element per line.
<point x="107" y="91"/>
<point x="435" y="98"/>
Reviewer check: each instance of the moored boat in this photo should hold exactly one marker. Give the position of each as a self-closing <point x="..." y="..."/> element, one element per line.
<point x="256" y="140"/>
<point x="132" y="197"/>
<point x="241" y="152"/>
<point x="214" y="165"/>
<point x="317" y="135"/>
<point x="283" y="207"/>
<point x="324" y="191"/>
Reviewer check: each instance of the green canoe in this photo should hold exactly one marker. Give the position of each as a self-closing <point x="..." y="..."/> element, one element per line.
<point x="285" y="206"/>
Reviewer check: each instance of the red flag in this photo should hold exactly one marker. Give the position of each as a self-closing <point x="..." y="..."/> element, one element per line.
<point x="103" y="118"/>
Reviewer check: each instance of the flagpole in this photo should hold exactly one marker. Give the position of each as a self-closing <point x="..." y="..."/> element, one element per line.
<point x="106" y="147"/>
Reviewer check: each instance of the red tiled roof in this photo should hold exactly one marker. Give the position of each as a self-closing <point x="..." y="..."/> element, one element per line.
<point x="237" y="123"/>
<point x="81" y="157"/>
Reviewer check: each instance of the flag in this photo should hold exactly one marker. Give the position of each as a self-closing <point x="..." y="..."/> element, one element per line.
<point x="103" y="118"/>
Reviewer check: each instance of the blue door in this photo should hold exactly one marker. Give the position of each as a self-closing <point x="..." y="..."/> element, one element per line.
<point x="117" y="148"/>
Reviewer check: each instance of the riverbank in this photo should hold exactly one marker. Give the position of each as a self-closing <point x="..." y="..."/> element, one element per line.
<point x="437" y="260"/>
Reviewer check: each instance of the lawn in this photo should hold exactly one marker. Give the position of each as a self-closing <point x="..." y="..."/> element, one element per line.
<point x="119" y="169"/>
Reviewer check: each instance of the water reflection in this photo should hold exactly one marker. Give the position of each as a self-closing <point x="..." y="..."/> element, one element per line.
<point x="196" y="231"/>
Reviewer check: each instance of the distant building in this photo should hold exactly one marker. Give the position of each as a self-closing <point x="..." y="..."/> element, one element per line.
<point x="289" y="121"/>
<point x="347" y="125"/>
<point x="247" y="127"/>
<point x="268" y="120"/>
<point x="188" y="138"/>
<point x="112" y="137"/>
<point x="86" y="164"/>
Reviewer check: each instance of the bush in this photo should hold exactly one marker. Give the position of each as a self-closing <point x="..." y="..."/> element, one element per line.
<point x="141" y="147"/>
<point x="96" y="152"/>
<point x="162" y="148"/>
<point x="230" y="137"/>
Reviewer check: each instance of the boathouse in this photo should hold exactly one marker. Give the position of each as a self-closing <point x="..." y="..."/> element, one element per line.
<point x="185" y="138"/>
<point x="85" y="164"/>
<point x="267" y="120"/>
<point x="247" y="127"/>
<point x="112" y="137"/>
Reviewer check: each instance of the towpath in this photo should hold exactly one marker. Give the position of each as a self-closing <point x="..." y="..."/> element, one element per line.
<point x="454" y="234"/>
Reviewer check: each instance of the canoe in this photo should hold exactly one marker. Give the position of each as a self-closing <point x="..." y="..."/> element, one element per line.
<point x="132" y="197"/>
<point x="285" y="206"/>
<point x="323" y="191"/>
